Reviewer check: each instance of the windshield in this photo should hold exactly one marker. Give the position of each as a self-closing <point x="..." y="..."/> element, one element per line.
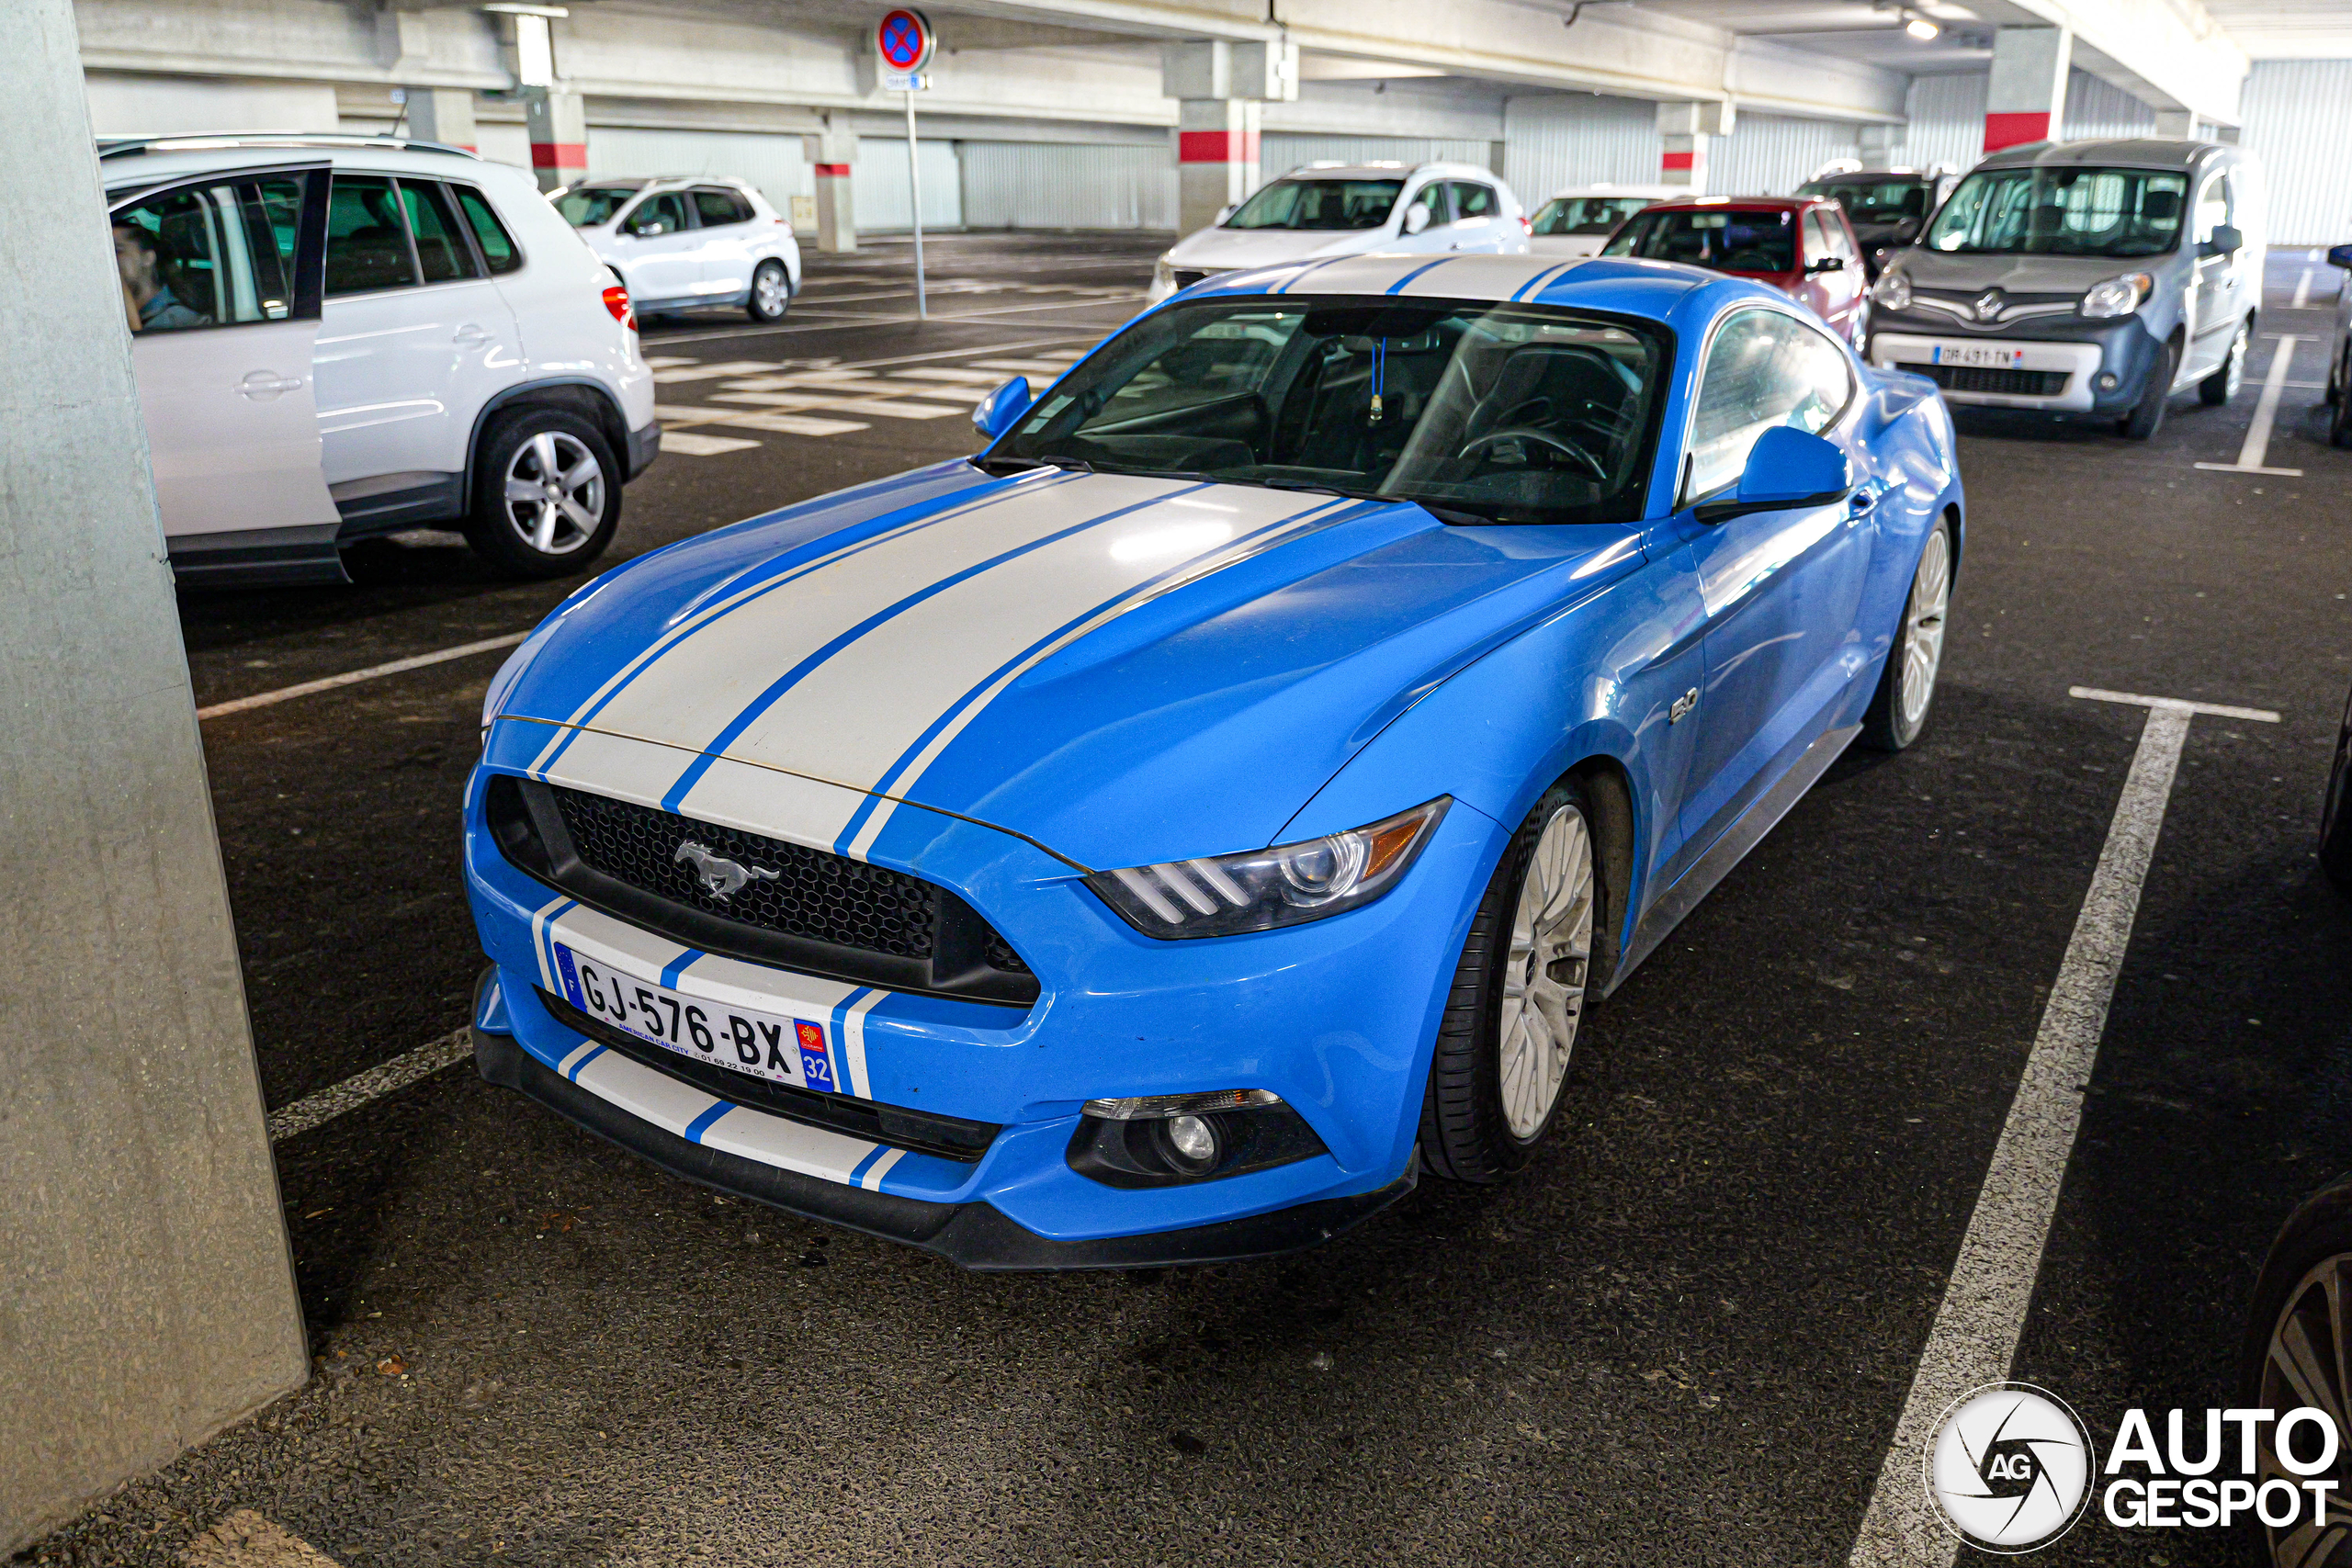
<point x="2061" y="212"/>
<point x="1318" y="204"/>
<point x="1508" y="413"/>
<point x="1727" y="239"/>
<point x="1874" y="201"/>
<point x="589" y="205"/>
<point x="1585" y="214"/>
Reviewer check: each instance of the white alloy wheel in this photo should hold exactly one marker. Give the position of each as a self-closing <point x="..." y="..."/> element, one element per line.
<point x="554" y="492"/>
<point x="1923" y="628"/>
<point x="2238" y="347"/>
<point x="2305" y="1366"/>
<point x="1543" y="975"/>
<point x="771" y="291"/>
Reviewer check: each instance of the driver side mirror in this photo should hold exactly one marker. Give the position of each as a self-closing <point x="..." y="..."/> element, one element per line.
<point x="1828" y="263"/>
<point x="1786" y="467"/>
<point x="1227" y="210"/>
<point x="2226" y="242"/>
<point x="2340" y="255"/>
<point x="1002" y="408"/>
<point x="1417" y="218"/>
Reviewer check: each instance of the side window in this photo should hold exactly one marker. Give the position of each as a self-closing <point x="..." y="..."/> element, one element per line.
<point x="1473" y="201"/>
<point x="1434" y="197"/>
<point x="498" y="248"/>
<point x="1816" y="238"/>
<point x="366" y="241"/>
<point x="664" y="214"/>
<point x="1764" y="368"/>
<point x="441" y="248"/>
<point x="206" y="256"/>
<point x="719" y="208"/>
<point x="2213" y="207"/>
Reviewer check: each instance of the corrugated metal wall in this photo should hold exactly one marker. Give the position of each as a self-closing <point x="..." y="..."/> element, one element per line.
<point x="1039" y="185"/>
<point x="1575" y="139"/>
<point x="2299" y="123"/>
<point x="1946" y="116"/>
<point x="1281" y="151"/>
<point x="879" y="185"/>
<point x="1772" y="154"/>
<point x="772" y="162"/>
<point x="2096" y="110"/>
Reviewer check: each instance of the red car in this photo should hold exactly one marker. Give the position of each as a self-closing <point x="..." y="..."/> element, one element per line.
<point x="1799" y="245"/>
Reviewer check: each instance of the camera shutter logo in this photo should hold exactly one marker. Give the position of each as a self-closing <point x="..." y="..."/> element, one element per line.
<point x="2008" y="1468"/>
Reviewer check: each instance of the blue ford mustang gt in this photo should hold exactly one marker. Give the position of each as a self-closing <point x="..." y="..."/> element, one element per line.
<point x="1162" y="837"/>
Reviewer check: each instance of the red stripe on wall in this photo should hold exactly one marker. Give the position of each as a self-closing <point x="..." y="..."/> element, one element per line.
<point x="558" y="155"/>
<point x="1216" y="146"/>
<point x="832" y="171"/>
<point x="1678" y="161"/>
<point x="2014" y="128"/>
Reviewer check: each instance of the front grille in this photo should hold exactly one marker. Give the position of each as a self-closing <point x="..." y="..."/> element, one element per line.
<point x="950" y="1137"/>
<point x="1974" y="379"/>
<point x="797" y="907"/>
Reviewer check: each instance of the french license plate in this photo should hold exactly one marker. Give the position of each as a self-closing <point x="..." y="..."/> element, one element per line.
<point x="1979" y="356"/>
<point x="766" y="1045"/>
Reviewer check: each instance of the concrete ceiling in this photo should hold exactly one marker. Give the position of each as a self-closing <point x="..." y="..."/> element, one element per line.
<point x="2287" y="30"/>
<point x="1872" y="30"/>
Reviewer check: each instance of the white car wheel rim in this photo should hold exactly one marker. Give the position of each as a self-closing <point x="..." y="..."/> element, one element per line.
<point x="554" y="492"/>
<point x="769" y="286"/>
<point x="1543" y="975"/>
<point x="2305" y="1366"/>
<point x="2236" y="378"/>
<point x="1923" y="628"/>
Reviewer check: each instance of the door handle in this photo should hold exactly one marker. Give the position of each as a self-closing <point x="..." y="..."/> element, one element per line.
<point x="469" y="336"/>
<point x="1865" y="502"/>
<point x="268" y="383"/>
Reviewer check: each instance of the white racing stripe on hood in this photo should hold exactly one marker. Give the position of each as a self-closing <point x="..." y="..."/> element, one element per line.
<point x="855" y="715"/>
<point x="692" y="696"/>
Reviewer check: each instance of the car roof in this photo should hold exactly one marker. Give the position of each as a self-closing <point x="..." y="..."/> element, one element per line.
<point x="1375" y="171"/>
<point x="2129" y="152"/>
<point x="151" y="160"/>
<point x="1626" y="285"/>
<point x="1768" y="203"/>
<point x="1647" y="193"/>
<point x="1880" y="176"/>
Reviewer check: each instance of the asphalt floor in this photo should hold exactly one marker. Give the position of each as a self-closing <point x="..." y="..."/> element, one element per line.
<point x="1683" y="1337"/>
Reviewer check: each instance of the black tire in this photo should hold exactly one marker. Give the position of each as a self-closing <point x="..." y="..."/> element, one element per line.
<point x="2315" y="1240"/>
<point x="1889" y="724"/>
<point x="2339" y="424"/>
<point x="2334" y="822"/>
<point x="2222" y="384"/>
<point x="2334" y="393"/>
<point x="1466" y="1133"/>
<point x="2145" y="421"/>
<point x="770" y="294"/>
<point x="502" y="530"/>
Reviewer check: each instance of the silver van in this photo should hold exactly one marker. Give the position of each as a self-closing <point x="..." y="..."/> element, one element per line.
<point x="2082" y="277"/>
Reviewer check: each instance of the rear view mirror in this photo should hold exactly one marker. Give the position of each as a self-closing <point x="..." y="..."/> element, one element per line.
<point x="1786" y="467"/>
<point x="1002" y="408"/>
<point x="2226" y="242"/>
<point x="1417" y="218"/>
<point x="2340" y="255"/>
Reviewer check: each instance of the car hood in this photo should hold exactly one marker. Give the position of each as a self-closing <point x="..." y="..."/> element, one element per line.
<point x="1271" y="247"/>
<point x="1899" y="232"/>
<point x="1952" y="273"/>
<point x="1123" y="670"/>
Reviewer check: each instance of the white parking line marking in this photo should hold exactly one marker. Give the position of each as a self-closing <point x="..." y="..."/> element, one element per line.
<point x="2304" y="289"/>
<point x="2265" y="413"/>
<point x="887" y="408"/>
<point x="264" y="699"/>
<point x="687" y="444"/>
<point x="1974" y="1338"/>
<point x="761" y="419"/>
<point x="374" y="1084"/>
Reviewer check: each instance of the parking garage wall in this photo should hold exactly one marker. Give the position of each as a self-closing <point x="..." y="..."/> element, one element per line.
<point x="1773" y="154"/>
<point x="1034" y="184"/>
<point x="2299" y="123"/>
<point x="1553" y="139"/>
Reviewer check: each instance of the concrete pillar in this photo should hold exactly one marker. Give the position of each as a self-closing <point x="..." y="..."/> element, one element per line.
<point x="443" y="114"/>
<point x="1216" y="157"/>
<point x="559" y="126"/>
<point x="1684" y="131"/>
<point x="147" y="1296"/>
<point x="2026" y="99"/>
<point x="2180" y="124"/>
<point x="830" y="153"/>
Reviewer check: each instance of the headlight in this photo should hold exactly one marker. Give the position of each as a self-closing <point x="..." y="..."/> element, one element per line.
<point x="1258" y="889"/>
<point x="1892" y="290"/>
<point x="2117" y="296"/>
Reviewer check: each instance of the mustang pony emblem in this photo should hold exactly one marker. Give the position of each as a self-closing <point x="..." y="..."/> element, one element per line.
<point x="720" y="877"/>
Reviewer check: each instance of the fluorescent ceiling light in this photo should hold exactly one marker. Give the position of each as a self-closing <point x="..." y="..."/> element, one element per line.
<point x="1921" y="29"/>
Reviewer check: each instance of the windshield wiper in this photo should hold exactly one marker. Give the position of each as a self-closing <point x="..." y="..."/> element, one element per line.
<point x="1022" y="465"/>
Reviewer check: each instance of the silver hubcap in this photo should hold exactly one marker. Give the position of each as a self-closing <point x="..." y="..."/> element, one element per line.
<point x="1923" y="628"/>
<point x="2306" y="1366"/>
<point x="554" y="492"/>
<point x="1551" y="947"/>
<point x="2236" y="376"/>
<point x="768" y="288"/>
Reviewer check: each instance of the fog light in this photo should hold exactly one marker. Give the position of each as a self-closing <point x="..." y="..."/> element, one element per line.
<point x="1192" y="1139"/>
<point x="2107" y="381"/>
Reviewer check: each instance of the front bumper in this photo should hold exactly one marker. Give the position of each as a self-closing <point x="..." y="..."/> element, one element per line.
<point x="2086" y="353"/>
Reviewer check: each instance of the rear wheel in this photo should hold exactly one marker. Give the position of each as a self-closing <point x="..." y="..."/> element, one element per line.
<point x="2223" y="383"/>
<point x="770" y="293"/>
<point x="1906" y="687"/>
<point x="2298" y="1338"/>
<point x="2146" y="418"/>
<point x="546" y="493"/>
<point x="1518" y="999"/>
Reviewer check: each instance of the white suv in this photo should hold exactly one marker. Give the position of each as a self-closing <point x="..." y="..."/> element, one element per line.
<point x="683" y="242"/>
<point x="341" y="336"/>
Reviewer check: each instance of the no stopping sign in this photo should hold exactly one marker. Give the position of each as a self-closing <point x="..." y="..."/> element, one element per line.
<point x="904" y="40"/>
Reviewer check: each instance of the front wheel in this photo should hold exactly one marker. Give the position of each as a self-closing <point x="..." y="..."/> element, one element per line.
<point x="2298" y="1336"/>
<point x="1518" y="998"/>
<point x="2339" y="424"/>
<point x="2335" y="821"/>
<point x="1906" y="687"/>
<point x="2223" y="383"/>
<point x="770" y="293"/>
<point x="546" y="494"/>
<point x="2142" y="422"/>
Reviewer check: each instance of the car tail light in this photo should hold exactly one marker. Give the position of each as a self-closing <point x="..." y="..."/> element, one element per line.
<point x="1526" y="224"/>
<point x="616" y="301"/>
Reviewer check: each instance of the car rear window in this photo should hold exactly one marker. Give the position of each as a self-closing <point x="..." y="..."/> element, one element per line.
<point x="1726" y="239"/>
<point x="499" y="250"/>
<point x="1586" y="214"/>
<point x="367" y="241"/>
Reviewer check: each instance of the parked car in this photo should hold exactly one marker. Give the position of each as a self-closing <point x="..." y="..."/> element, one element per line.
<point x="1337" y="209"/>
<point x="687" y="241"/>
<point x="343" y="336"/>
<point x="1886" y="207"/>
<point x="1801" y="246"/>
<point x="1161" y="836"/>
<point x="1579" y="221"/>
<point x="2339" y="355"/>
<point x="2084" y="278"/>
<point x="2298" y="1353"/>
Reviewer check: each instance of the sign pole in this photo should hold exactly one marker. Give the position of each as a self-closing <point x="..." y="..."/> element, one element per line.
<point x="914" y="200"/>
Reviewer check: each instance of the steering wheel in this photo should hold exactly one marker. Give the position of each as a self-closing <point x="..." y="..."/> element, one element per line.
<point x="1542" y="438"/>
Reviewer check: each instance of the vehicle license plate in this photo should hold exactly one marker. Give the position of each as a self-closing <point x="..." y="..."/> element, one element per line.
<point x="1980" y="356"/>
<point x="766" y="1045"/>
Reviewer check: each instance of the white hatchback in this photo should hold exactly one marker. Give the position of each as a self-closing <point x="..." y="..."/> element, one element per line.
<point x="338" y="336"/>
<point x="1340" y="210"/>
<point x="1579" y="221"/>
<point x="683" y="242"/>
